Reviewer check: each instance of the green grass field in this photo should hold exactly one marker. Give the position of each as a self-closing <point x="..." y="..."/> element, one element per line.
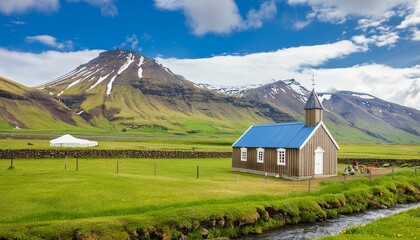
<point x="41" y="190"/>
<point x="40" y="195"/>
<point x="379" y="151"/>
<point x="405" y="225"/>
<point x="218" y="143"/>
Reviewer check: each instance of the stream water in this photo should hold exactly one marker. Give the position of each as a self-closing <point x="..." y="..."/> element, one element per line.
<point x="330" y="226"/>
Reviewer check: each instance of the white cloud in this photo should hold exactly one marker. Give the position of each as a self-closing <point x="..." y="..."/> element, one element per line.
<point x="50" y="41"/>
<point x="374" y="22"/>
<point x="107" y="7"/>
<point x="392" y="84"/>
<point x="259" y="67"/>
<point x="388" y="39"/>
<point x="131" y="42"/>
<point x="416" y="35"/>
<point x="218" y="16"/>
<point x="255" y="18"/>
<point x="33" y="69"/>
<point x="337" y="11"/>
<point x="413" y="18"/>
<point x="22" y="6"/>
<point x="400" y="85"/>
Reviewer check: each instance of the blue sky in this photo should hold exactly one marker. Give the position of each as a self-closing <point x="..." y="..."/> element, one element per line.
<point x="361" y="45"/>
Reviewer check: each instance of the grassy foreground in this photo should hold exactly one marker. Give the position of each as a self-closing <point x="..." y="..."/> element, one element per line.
<point x="41" y="199"/>
<point x="405" y="225"/>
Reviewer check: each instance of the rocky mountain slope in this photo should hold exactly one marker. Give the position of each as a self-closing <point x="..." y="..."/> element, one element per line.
<point x="123" y="90"/>
<point x="351" y="116"/>
<point x="26" y="108"/>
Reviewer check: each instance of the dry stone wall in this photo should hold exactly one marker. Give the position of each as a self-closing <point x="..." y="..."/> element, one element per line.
<point x="33" y="153"/>
<point x="39" y="153"/>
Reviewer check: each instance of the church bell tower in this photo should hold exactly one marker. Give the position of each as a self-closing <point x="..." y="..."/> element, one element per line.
<point x="313" y="110"/>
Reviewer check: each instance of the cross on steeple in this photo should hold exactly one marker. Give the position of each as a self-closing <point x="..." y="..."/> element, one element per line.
<point x="313" y="81"/>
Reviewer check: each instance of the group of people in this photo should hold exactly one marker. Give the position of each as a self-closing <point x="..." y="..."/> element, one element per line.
<point x="351" y="170"/>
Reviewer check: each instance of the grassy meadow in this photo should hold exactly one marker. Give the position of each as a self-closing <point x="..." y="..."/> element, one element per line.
<point x="40" y="197"/>
<point x="212" y="143"/>
<point x="379" y="151"/>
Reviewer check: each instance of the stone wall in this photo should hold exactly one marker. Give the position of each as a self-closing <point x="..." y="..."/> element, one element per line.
<point x="34" y="153"/>
<point x="38" y="153"/>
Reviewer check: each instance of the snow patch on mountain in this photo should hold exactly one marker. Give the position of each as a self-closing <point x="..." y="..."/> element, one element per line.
<point x="130" y="60"/>
<point x="140" y="71"/>
<point x="364" y="96"/>
<point x="100" y="80"/>
<point x="323" y="97"/>
<point x="228" y="90"/>
<point x="302" y="92"/>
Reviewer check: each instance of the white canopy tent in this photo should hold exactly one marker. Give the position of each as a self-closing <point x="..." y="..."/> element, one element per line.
<point x="70" y="141"/>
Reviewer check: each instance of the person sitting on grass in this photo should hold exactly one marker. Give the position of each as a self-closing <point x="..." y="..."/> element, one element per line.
<point x="356" y="166"/>
<point x="352" y="172"/>
<point x="346" y="171"/>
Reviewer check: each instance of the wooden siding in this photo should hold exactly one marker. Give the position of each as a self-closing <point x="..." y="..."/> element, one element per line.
<point x="307" y="157"/>
<point x="270" y="161"/>
<point x="313" y="116"/>
<point x="299" y="163"/>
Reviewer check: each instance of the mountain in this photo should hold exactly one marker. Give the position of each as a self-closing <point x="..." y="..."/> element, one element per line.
<point x="350" y="116"/>
<point x="125" y="91"/>
<point x="26" y="108"/>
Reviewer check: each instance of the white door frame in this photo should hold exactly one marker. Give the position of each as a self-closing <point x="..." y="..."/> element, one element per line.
<point x="319" y="160"/>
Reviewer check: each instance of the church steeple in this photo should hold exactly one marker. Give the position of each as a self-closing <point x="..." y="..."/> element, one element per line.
<point x="313" y="110"/>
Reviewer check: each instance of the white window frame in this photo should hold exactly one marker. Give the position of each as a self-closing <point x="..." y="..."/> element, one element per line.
<point x="281" y="156"/>
<point x="260" y="155"/>
<point x="244" y="154"/>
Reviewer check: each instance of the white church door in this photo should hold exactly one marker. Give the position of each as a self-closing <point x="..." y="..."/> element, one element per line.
<point x="319" y="161"/>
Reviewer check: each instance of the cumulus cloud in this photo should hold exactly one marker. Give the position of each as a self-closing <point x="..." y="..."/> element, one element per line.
<point x="50" y="41"/>
<point x="107" y="7"/>
<point x="131" y="42"/>
<point x="261" y="67"/>
<point x="255" y="18"/>
<point x="32" y="69"/>
<point x="218" y="16"/>
<point x="337" y="11"/>
<point x="400" y="85"/>
<point x="392" y="84"/>
<point x="416" y="35"/>
<point x="22" y="6"/>
<point x="413" y="18"/>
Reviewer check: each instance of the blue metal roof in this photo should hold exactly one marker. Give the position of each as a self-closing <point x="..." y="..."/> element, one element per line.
<point x="282" y="135"/>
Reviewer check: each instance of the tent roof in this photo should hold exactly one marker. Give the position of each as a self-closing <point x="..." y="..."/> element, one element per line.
<point x="70" y="139"/>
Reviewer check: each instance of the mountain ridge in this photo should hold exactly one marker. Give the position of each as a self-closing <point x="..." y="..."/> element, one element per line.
<point x="125" y="91"/>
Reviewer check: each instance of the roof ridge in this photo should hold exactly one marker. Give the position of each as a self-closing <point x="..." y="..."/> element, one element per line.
<point x="278" y="124"/>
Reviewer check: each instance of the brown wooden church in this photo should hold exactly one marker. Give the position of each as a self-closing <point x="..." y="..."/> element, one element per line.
<point x="294" y="150"/>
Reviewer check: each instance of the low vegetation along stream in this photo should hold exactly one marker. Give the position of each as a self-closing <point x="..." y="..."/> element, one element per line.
<point x="330" y="226"/>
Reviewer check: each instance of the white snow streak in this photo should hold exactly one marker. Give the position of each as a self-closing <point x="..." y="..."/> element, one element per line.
<point x="100" y="80"/>
<point x="130" y="60"/>
<point x="324" y="97"/>
<point x="60" y="93"/>
<point x="140" y="71"/>
<point x="80" y="112"/>
<point x="73" y="83"/>
<point x="363" y="96"/>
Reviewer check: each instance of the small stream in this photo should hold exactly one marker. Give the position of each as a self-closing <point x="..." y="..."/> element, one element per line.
<point x="330" y="226"/>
